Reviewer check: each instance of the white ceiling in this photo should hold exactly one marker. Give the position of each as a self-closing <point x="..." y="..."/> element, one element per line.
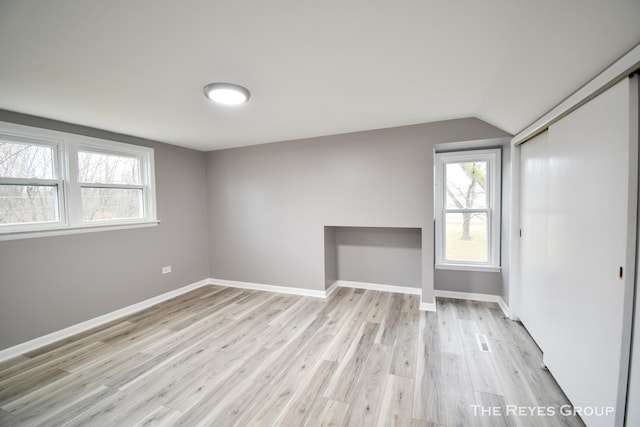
<point x="313" y="67"/>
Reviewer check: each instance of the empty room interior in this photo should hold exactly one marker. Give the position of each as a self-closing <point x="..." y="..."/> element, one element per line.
<point x="418" y="213"/>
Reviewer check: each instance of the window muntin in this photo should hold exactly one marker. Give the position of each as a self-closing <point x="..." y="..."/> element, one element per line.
<point x="468" y="209"/>
<point x="53" y="181"/>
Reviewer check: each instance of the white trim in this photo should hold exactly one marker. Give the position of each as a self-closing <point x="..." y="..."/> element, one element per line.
<point x="60" y="231"/>
<point x="269" y="288"/>
<point x="493" y="158"/>
<point x="379" y="287"/>
<point x="617" y="71"/>
<point x="477" y="144"/>
<point x="514" y="236"/>
<point x="467" y="267"/>
<point x="61" y="334"/>
<point x="470" y="296"/>
<point x="505" y="308"/>
<point x="331" y="289"/>
<point x="427" y="306"/>
<point x="66" y="147"/>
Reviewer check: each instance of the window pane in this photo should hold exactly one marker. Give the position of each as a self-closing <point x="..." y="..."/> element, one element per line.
<point x="28" y="204"/>
<point x="466" y="183"/>
<point x="111" y="203"/>
<point x="26" y="161"/>
<point x="466" y="237"/>
<point x="108" y="168"/>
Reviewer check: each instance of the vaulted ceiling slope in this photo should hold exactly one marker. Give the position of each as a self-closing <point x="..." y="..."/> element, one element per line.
<point x="313" y="67"/>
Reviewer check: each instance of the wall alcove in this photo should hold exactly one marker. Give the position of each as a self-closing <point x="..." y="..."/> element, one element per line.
<point x="374" y="255"/>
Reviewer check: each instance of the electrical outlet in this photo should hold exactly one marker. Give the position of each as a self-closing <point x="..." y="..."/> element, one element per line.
<point x="166" y="270"/>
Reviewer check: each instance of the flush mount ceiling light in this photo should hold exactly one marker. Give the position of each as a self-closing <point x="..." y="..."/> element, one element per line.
<point x="226" y="93"/>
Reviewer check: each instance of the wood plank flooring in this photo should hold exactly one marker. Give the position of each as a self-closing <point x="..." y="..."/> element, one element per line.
<point x="219" y="356"/>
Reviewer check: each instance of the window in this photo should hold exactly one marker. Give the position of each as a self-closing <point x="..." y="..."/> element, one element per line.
<point x="110" y="186"/>
<point x="54" y="183"/>
<point x="29" y="185"/>
<point x="468" y="210"/>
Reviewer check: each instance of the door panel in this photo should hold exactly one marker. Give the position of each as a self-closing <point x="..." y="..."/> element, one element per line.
<point x="534" y="199"/>
<point x="575" y="213"/>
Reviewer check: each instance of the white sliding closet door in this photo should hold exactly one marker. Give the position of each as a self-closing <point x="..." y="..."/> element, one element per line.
<point x="578" y="223"/>
<point x="534" y="248"/>
<point x="633" y="397"/>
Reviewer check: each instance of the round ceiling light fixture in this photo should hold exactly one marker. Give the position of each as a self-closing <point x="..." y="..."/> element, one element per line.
<point x="226" y="93"/>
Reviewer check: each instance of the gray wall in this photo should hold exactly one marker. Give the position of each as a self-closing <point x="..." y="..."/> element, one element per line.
<point x="390" y="256"/>
<point x="330" y="257"/>
<point x="47" y="284"/>
<point x="481" y="282"/>
<point x="268" y="204"/>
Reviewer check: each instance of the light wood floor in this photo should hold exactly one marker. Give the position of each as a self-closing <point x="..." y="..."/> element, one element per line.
<point x="220" y="356"/>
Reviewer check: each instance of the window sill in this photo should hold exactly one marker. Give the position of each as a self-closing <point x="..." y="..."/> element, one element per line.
<point x="61" y="231"/>
<point x="469" y="267"/>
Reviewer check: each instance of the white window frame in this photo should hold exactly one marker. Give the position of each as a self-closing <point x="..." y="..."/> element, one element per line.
<point x="66" y="147"/>
<point x="56" y="181"/>
<point x="493" y="159"/>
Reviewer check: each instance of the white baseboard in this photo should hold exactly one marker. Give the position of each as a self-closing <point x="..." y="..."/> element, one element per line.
<point x="331" y="289"/>
<point x="427" y="306"/>
<point x="474" y="297"/>
<point x="424" y="306"/>
<point x="270" y="288"/>
<point x="35" y="343"/>
<point x="378" y="287"/>
<point x="505" y="308"/>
